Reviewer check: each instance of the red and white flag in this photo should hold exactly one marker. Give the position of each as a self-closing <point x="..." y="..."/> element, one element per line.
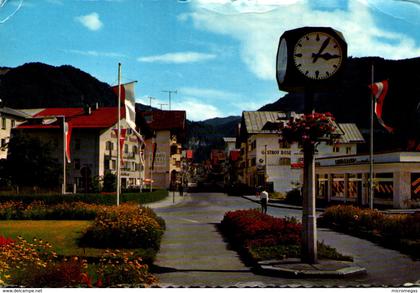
<point x="122" y="139"/>
<point x="67" y="134"/>
<point x="379" y="91"/>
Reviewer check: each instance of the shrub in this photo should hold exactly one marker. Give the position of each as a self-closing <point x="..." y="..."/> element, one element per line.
<point x="294" y="196"/>
<point x="37" y="210"/>
<point x="400" y="231"/>
<point x="124" y="226"/>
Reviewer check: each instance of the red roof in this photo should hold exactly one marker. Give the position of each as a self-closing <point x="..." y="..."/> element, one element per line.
<point x="163" y="120"/>
<point x="77" y="118"/>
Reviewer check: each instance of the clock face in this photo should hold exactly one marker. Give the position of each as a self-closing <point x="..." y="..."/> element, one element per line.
<point x="317" y="55"/>
<point x="282" y="61"/>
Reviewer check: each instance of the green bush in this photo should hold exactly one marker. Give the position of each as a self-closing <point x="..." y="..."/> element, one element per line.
<point x="125" y="226"/>
<point x="37" y="210"/>
<point x="93" y="198"/>
<point x="398" y="231"/>
<point x="294" y="196"/>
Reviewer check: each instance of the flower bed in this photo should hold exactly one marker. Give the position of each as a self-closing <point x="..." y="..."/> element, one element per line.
<point x="261" y="237"/>
<point x="36" y="264"/>
<point x="400" y="231"/>
<point x="124" y="226"/>
<point x="38" y="210"/>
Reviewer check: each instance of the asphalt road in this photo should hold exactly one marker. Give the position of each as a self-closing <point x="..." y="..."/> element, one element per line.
<point x="194" y="254"/>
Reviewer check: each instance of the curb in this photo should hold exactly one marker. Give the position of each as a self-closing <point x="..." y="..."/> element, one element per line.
<point x="279" y="205"/>
<point x="295" y="268"/>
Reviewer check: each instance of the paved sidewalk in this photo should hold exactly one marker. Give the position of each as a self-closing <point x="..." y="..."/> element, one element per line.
<point x="173" y="198"/>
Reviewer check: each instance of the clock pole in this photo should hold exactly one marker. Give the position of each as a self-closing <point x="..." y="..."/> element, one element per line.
<point x="309" y="235"/>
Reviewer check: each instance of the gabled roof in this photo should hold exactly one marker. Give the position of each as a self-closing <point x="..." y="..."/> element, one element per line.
<point x="14" y="113"/>
<point x="351" y="133"/>
<point x="77" y="117"/>
<point x="256" y="120"/>
<point x="164" y="120"/>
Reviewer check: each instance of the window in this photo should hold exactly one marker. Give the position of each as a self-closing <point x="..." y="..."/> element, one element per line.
<point x="336" y="149"/>
<point x="77" y="144"/>
<point x="284" y="145"/>
<point x="106" y="164"/>
<point x="114" y="164"/>
<point x="348" y="150"/>
<point x="109" y="146"/>
<point x="77" y="164"/>
<point x="126" y="148"/>
<point x="284" y="161"/>
<point x="3" y="123"/>
<point x="135" y="149"/>
<point x="13" y="123"/>
<point x="338" y="185"/>
<point x="384" y="186"/>
<point x="322" y="186"/>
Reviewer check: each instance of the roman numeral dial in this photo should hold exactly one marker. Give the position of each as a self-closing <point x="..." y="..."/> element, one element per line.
<point x="317" y="55"/>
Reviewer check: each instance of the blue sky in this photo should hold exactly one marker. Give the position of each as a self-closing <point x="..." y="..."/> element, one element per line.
<point x="218" y="54"/>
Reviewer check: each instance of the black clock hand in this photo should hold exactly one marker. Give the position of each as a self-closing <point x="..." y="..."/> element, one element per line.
<point x="327" y="56"/>
<point x="323" y="46"/>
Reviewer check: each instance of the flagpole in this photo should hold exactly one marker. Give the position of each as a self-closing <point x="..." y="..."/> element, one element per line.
<point x="118" y="136"/>
<point x="372" y="104"/>
<point x="63" y="190"/>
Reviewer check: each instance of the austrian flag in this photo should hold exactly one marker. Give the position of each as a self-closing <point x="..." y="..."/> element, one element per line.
<point x="379" y="91"/>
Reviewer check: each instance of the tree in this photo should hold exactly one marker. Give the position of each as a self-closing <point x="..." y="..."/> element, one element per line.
<point x="29" y="163"/>
<point x="110" y="182"/>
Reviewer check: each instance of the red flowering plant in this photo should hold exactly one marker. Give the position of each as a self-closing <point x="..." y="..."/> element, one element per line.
<point x="311" y="128"/>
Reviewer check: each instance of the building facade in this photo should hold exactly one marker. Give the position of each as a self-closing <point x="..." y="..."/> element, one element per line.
<point x="163" y="149"/>
<point x="346" y="179"/>
<point x="92" y="142"/>
<point x="265" y="159"/>
<point x="9" y="119"/>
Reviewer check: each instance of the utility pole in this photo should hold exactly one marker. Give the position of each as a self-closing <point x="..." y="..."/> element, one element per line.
<point x="169" y="93"/>
<point x="162" y="104"/>
<point x="150" y="102"/>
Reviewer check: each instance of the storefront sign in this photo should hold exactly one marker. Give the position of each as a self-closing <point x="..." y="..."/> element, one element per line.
<point x="345" y="161"/>
<point x="277" y="152"/>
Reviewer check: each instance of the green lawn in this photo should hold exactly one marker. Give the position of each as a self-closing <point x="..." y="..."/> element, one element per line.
<point x="62" y="235"/>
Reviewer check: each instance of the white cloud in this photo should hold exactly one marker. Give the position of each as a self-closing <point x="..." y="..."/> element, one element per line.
<point x="257" y="25"/>
<point x="197" y="110"/>
<point x="177" y="58"/>
<point x="93" y="53"/>
<point x="90" y="21"/>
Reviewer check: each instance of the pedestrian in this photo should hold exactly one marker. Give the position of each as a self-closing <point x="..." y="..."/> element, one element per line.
<point x="264" y="201"/>
<point x="181" y="189"/>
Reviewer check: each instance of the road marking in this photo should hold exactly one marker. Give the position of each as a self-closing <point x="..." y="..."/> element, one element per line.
<point x="188" y="220"/>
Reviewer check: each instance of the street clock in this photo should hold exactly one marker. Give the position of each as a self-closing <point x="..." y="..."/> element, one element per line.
<point x="310" y="57"/>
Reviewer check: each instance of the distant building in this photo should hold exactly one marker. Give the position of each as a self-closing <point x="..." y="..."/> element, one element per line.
<point x="9" y="119"/>
<point x="92" y="142"/>
<point x="163" y="149"/>
<point x="266" y="159"/>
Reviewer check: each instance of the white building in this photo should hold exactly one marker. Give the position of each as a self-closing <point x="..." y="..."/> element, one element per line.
<point x="9" y="119"/>
<point x="92" y="143"/>
<point x="346" y="179"/>
<point x="265" y="158"/>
